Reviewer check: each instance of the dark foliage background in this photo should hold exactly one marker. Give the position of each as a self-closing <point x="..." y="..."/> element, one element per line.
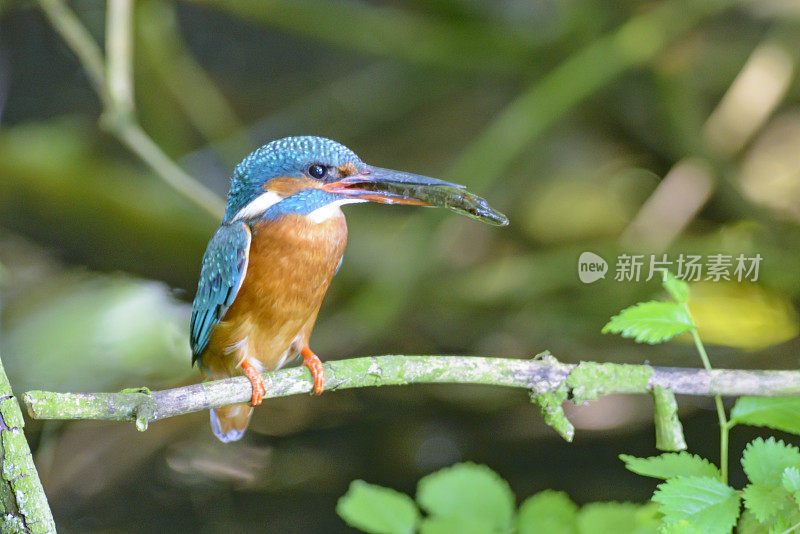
<point x="613" y="127"/>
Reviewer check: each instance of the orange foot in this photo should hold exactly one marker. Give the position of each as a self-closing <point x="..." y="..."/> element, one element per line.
<point x="311" y="361"/>
<point x="256" y="380"/>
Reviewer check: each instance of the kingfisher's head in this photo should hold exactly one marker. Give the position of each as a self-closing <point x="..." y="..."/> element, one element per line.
<point x="300" y="175"/>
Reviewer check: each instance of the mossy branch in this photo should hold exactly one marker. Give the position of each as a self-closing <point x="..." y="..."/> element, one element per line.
<point x="539" y="375"/>
<point x="23" y="505"/>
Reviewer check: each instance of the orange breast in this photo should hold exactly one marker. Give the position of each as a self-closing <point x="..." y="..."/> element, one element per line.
<point x="291" y="264"/>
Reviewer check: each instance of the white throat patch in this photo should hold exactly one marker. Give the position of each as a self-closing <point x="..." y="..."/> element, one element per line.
<point x="258" y="206"/>
<point x="331" y="210"/>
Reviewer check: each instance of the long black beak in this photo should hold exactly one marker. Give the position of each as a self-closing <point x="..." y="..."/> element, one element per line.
<point x="396" y="187"/>
<point x="388" y="186"/>
<point x="388" y="176"/>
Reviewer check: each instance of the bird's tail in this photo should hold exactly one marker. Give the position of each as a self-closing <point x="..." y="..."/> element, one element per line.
<point x="229" y="422"/>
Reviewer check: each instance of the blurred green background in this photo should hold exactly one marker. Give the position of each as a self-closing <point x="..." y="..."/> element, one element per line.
<point x="613" y="127"/>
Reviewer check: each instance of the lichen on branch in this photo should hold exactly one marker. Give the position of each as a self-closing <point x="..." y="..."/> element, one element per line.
<point x="538" y="376"/>
<point x="23" y="505"/>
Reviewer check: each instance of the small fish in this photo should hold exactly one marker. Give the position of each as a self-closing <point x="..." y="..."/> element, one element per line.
<point x="455" y="198"/>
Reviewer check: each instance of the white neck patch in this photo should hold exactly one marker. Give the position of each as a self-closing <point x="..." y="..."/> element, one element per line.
<point x="331" y="210"/>
<point x="258" y="206"/>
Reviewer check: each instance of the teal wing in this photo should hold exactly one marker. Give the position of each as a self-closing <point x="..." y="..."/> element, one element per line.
<point x="221" y="276"/>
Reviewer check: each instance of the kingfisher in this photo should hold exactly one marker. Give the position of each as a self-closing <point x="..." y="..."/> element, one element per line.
<point x="266" y="269"/>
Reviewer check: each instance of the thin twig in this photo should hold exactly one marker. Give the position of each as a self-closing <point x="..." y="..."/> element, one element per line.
<point x="119" y="55"/>
<point x="539" y="375"/>
<point x="724" y="429"/>
<point x="114" y="86"/>
<point x="80" y="41"/>
<point x="131" y="135"/>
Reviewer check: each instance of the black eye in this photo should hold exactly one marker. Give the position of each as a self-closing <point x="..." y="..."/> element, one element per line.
<point x="317" y="171"/>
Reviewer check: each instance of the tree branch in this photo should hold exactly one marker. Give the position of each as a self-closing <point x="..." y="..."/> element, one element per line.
<point x="23" y="505"/>
<point x="541" y="375"/>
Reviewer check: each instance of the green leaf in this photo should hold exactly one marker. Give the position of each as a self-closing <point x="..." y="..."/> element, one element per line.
<point x="678" y="289"/>
<point x="765" y="502"/>
<point x="679" y="527"/>
<point x="618" y="518"/>
<point x="705" y="502"/>
<point x="378" y="510"/>
<point x="748" y="524"/>
<point x="466" y="491"/>
<point x="791" y="479"/>
<point x="547" y="512"/>
<point x="765" y="461"/>
<point x="650" y="322"/>
<point x="453" y="525"/>
<point x="782" y="525"/>
<point x="772" y="467"/>
<point x="780" y="413"/>
<point x="671" y="465"/>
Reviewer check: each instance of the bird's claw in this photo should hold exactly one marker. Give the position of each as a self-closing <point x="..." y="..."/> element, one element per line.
<point x="256" y="380"/>
<point x="314" y="365"/>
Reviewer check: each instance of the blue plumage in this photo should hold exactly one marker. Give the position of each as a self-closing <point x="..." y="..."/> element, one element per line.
<point x="289" y="156"/>
<point x="301" y="203"/>
<point x="224" y="266"/>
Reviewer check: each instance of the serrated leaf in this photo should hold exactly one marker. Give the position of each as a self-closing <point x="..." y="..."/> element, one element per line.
<point x="650" y="322"/>
<point x="377" y="510"/>
<point x="705" y="502"/>
<point x="791" y="479"/>
<point x="781" y="526"/>
<point x="678" y="289"/>
<point x="618" y="518"/>
<point x="467" y="490"/>
<point x="453" y="525"/>
<point x="765" y="461"/>
<point x="671" y="465"/>
<point x="547" y="512"/>
<point x="780" y="413"/>
<point x="749" y="524"/>
<point x="766" y="502"/>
